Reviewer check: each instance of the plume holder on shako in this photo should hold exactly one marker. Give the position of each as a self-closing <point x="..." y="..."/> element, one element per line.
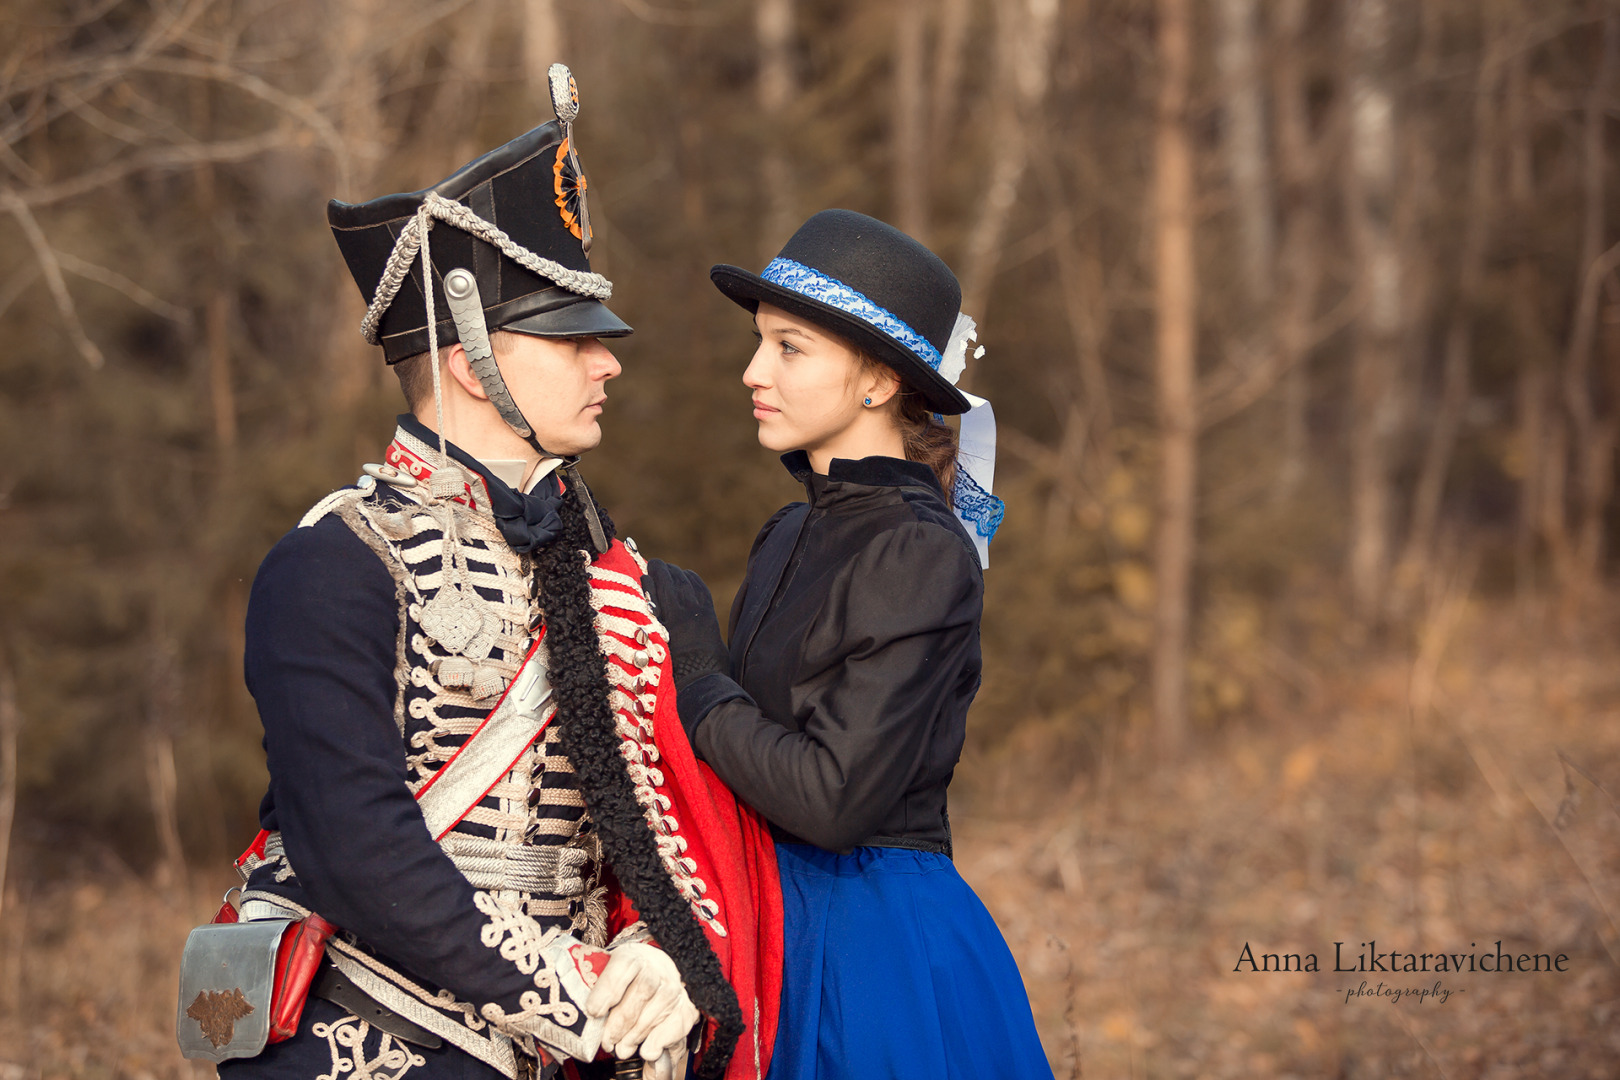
<point x="565" y="103"/>
<point x="899" y="303"/>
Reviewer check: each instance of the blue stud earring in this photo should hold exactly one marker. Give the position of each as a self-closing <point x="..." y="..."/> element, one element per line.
<point x="868" y="403"/>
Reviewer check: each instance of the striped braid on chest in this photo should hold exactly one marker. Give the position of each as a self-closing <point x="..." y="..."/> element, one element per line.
<point x="529" y="834"/>
<point x="446" y="689"/>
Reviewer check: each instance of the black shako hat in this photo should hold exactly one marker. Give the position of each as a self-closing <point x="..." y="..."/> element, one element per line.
<point x="527" y="193"/>
<point x="870" y="283"/>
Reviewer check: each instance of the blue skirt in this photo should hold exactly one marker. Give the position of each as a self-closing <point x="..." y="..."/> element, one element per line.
<point x="893" y="968"/>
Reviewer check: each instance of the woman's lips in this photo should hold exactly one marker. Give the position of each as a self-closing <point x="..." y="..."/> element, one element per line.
<point x="764" y="412"/>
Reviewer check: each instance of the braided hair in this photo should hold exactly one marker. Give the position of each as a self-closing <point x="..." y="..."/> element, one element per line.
<point x="588" y="737"/>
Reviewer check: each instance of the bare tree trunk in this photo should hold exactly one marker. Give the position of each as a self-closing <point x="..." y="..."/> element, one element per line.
<point x="1459" y="344"/>
<point x="1244" y="145"/>
<point x="1084" y="454"/>
<point x="1024" y="38"/>
<point x="1531" y="395"/>
<point x="219" y="370"/>
<point x="1554" y="493"/>
<point x="1594" y="436"/>
<point x="910" y="121"/>
<point x="773" y="27"/>
<point x="10" y="723"/>
<point x="1530" y="337"/>
<point x="692" y="170"/>
<point x="1301" y="271"/>
<point x="1086" y="310"/>
<point x="352" y="365"/>
<point x="1089" y="419"/>
<point x="163" y="708"/>
<point x="543" y="45"/>
<point x="359" y="119"/>
<point x="949" y="49"/>
<point x="1080" y="274"/>
<point x="1374" y="396"/>
<point x="1521" y="163"/>
<point x="1175" y="299"/>
<point x="216" y="321"/>
<point x="1300" y="262"/>
<point x="467" y="51"/>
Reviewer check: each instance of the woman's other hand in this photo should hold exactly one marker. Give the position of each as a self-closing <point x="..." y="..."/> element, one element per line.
<point x="686" y="609"/>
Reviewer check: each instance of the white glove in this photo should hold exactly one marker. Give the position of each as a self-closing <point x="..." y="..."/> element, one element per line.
<point x="646" y="1006"/>
<point x="670" y="1065"/>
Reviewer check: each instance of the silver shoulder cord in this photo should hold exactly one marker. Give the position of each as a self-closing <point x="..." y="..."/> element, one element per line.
<point x="467" y="309"/>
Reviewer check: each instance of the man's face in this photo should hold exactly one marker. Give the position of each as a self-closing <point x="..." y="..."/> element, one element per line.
<point x="559" y="384"/>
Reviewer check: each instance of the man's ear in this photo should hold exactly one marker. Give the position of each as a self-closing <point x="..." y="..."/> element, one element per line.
<point x="458" y="368"/>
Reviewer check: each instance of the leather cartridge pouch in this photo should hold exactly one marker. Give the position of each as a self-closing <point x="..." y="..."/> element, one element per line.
<point x="243" y="984"/>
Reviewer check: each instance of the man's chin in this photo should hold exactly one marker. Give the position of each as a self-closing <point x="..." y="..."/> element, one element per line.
<point x="576" y="444"/>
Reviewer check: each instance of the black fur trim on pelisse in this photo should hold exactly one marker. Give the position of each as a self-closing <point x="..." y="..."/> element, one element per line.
<point x="579" y="676"/>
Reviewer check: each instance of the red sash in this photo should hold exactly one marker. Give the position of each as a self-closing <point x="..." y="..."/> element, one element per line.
<point x="729" y="843"/>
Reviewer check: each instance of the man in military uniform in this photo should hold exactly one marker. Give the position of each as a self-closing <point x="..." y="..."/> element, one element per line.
<point x="477" y="773"/>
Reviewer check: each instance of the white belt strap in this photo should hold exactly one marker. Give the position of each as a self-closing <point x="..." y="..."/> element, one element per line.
<point x="491" y="751"/>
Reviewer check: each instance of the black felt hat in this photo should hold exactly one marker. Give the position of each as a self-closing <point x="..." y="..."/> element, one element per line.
<point x="867" y="282"/>
<point x="529" y="189"/>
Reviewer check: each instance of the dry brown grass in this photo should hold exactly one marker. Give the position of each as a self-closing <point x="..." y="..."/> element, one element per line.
<point x="1127" y="898"/>
<point x="1128" y="901"/>
<point x="92" y="993"/>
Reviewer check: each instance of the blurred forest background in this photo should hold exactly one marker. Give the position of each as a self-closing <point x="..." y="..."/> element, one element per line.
<point x="1303" y="330"/>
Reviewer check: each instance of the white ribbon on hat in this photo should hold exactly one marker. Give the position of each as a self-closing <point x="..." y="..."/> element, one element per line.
<point x="975" y="505"/>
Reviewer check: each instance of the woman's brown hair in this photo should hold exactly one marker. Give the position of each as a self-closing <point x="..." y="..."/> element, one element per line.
<point x="924" y="437"/>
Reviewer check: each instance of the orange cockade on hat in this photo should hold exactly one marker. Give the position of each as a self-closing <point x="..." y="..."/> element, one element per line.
<point x="570" y="188"/>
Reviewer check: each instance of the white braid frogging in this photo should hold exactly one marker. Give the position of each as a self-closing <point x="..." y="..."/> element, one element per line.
<point x="622" y="611"/>
<point x="410" y="242"/>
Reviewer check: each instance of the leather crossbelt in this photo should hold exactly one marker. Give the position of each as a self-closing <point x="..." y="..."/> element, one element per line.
<point x="333" y="986"/>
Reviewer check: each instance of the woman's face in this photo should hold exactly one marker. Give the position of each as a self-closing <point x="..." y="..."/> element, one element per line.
<point x="808" y="386"/>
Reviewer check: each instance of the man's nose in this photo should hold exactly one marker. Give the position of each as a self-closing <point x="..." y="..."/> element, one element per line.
<point x="604" y="365"/>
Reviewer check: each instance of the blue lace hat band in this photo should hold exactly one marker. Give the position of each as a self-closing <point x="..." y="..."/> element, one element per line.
<point x="815" y="285"/>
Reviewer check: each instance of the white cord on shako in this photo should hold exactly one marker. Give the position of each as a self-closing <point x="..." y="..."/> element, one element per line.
<point x="414" y="235"/>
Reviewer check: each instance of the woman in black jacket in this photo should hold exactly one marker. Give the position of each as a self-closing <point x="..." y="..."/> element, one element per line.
<point x="839" y="709"/>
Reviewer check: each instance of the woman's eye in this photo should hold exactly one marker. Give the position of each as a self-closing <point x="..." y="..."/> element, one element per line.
<point x="788" y="349"/>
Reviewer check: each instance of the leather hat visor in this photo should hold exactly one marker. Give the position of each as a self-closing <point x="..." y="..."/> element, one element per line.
<point x="583" y="318"/>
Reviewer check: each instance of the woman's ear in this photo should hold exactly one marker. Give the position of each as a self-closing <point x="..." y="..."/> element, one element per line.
<point x="881" y="384"/>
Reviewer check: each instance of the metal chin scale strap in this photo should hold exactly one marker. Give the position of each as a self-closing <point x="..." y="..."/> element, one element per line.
<point x="467" y="309"/>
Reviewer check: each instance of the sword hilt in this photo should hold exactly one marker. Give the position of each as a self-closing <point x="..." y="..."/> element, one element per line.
<point x="627" y="1068"/>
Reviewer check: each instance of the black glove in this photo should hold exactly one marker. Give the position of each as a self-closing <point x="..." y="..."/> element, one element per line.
<point x="686" y="609"/>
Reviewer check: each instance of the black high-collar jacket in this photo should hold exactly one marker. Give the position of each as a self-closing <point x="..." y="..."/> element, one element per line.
<point x="856" y="635"/>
